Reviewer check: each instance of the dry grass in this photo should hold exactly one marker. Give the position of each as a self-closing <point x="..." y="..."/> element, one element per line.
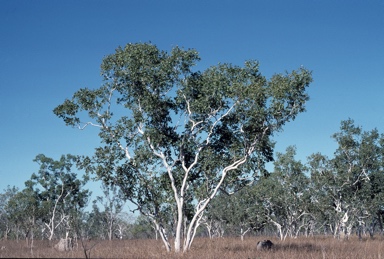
<point x="317" y="247"/>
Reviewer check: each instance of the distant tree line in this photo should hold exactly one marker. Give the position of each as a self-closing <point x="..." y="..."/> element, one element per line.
<point x="55" y="204"/>
<point x="338" y="196"/>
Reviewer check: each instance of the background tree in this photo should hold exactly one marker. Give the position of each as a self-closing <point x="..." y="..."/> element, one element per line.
<point x="174" y="135"/>
<point x="61" y="193"/>
<point x="284" y="195"/>
<point x="358" y="164"/>
<point x="237" y="214"/>
<point x="290" y="174"/>
<point x="5" y="222"/>
<point x="322" y="186"/>
<point x="143" y="228"/>
<point x="346" y="188"/>
<point x="24" y="210"/>
<point x="124" y="226"/>
<point x="113" y="203"/>
<point x="95" y="224"/>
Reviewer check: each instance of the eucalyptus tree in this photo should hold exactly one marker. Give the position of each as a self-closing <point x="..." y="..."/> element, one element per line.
<point x="331" y="193"/>
<point x="217" y="215"/>
<point x="323" y="186"/>
<point x="285" y="194"/>
<point x="171" y="135"/>
<point x="358" y="163"/>
<point x="143" y="228"/>
<point x="245" y="214"/>
<point x="5" y="222"/>
<point x="113" y="203"/>
<point x="237" y="214"/>
<point x="94" y="225"/>
<point x="348" y="188"/>
<point x="291" y="176"/>
<point x="61" y="193"/>
<point x="124" y="226"/>
<point x="24" y="210"/>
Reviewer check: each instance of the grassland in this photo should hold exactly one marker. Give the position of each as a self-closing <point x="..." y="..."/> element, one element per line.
<point x="316" y="247"/>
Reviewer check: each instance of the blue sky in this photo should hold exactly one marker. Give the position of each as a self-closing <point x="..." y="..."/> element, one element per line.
<point x="50" y="49"/>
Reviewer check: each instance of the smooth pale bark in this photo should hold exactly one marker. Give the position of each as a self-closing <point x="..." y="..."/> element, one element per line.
<point x="52" y="225"/>
<point x="243" y="233"/>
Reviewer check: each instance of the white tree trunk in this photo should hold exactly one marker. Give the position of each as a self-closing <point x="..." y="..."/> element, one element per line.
<point x="242" y="233"/>
<point x="160" y="229"/>
<point x="52" y="224"/>
<point x="179" y="223"/>
<point x="279" y="229"/>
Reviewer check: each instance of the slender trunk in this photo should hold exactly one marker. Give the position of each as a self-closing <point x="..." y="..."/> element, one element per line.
<point x="51" y="227"/>
<point x="192" y="230"/>
<point x="297" y="232"/>
<point x="372" y="228"/>
<point x="184" y="227"/>
<point x="197" y="224"/>
<point x="208" y="225"/>
<point x="279" y="229"/>
<point x="31" y="243"/>
<point x="359" y="232"/>
<point x="349" y="230"/>
<point x="336" y="231"/>
<point x="280" y="233"/>
<point x="179" y="224"/>
<point x="163" y="235"/>
<point x="110" y="229"/>
<point x="17" y="233"/>
<point x="341" y="233"/>
<point x="7" y="231"/>
<point x="380" y="222"/>
<point x="285" y="235"/>
<point x="242" y="233"/>
<point x="209" y="231"/>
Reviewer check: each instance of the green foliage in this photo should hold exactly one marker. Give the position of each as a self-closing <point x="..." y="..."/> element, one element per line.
<point x="172" y="136"/>
<point x="5" y="219"/>
<point x="285" y="194"/>
<point x="143" y="228"/>
<point x="23" y="211"/>
<point x="294" y="198"/>
<point x="239" y="212"/>
<point x="156" y="86"/>
<point x="350" y="184"/>
<point x="54" y="196"/>
<point x="58" y="181"/>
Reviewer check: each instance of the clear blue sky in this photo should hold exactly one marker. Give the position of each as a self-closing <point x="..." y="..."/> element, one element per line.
<point x="49" y="49"/>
